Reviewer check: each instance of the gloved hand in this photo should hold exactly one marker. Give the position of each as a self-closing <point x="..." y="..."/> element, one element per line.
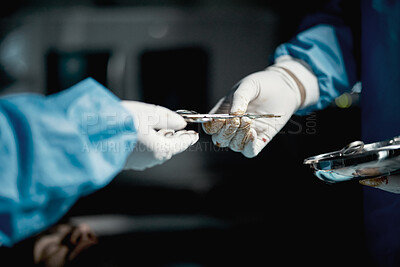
<point x="157" y="138"/>
<point x="280" y="89"/>
<point x="386" y="183"/>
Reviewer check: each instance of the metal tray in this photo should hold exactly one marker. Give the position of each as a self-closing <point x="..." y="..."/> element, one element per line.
<point x="358" y="161"/>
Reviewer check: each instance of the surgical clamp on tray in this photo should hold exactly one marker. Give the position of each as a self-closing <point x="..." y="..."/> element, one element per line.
<point x="194" y="117"/>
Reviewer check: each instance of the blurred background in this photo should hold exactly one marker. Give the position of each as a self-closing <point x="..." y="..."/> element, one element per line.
<point x="207" y="206"/>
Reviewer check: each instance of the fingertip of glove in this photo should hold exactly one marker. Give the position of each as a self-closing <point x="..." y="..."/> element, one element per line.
<point x="196" y="138"/>
<point x="248" y="155"/>
<point x="249" y="151"/>
<point x="213" y="127"/>
<point x="226" y="132"/>
<point x="254" y="145"/>
<point x="219" y="142"/>
<point x="191" y="135"/>
<point x="176" y="121"/>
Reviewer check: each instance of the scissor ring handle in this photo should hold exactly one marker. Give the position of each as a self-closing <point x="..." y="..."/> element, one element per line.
<point x="353" y="147"/>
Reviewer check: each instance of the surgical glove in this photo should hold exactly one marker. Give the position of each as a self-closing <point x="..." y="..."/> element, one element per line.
<point x="280" y="89"/>
<point x="158" y="138"/>
<point x="386" y="183"/>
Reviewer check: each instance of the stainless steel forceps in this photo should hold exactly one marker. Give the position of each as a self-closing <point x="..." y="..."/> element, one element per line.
<point x="193" y="116"/>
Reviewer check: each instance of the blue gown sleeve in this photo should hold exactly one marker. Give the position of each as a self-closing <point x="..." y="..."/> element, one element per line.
<point x="326" y="43"/>
<point x="56" y="149"/>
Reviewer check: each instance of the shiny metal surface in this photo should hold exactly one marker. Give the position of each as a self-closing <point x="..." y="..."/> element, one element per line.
<point x="194" y="117"/>
<point x="358" y="161"/>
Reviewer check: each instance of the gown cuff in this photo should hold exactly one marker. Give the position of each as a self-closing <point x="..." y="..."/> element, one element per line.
<point x="304" y="74"/>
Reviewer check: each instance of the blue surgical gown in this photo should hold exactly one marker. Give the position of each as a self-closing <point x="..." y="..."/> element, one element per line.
<point x="341" y="50"/>
<point x="56" y="149"/>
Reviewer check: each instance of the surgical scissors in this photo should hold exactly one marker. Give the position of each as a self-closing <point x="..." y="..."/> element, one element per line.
<point x="195" y="117"/>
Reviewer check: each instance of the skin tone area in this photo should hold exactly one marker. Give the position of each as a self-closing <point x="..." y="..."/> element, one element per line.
<point x="62" y="243"/>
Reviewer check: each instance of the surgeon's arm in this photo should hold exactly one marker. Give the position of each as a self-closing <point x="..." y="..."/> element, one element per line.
<point x="55" y="149"/>
<point x="308" y="72"/>
<point x="327" y="45"/>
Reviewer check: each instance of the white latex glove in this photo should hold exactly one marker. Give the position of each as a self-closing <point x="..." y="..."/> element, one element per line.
<point x="155" y="147"/>
<point x="280" y="89"/>
<point x="386" y="183"/>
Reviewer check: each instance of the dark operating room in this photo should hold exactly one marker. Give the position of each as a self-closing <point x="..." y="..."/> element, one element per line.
<point x="209" y="205"/>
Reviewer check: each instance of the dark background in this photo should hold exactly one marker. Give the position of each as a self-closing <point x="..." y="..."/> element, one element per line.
<point x="270" y="209"/>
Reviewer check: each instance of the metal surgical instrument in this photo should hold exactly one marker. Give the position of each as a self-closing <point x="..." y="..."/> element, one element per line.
<point x="193" y="116"/>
